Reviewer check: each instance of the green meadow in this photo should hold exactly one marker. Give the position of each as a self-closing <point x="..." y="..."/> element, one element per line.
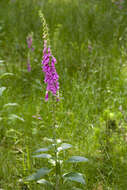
<point x="89" y="41"/>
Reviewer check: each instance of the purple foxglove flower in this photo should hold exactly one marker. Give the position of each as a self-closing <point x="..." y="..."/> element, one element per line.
<point x="29" y="41"/>
<point x="51" y="76"/>
<point x="28" y="67"/>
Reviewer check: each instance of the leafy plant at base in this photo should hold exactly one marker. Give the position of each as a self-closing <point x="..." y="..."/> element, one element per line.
<point x="54" y="158"/>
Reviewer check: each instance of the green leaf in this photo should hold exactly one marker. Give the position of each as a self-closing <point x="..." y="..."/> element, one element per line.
<point x="6" y="75"/>
<point x="52" y="161"/>
<point x="11" y="104"/>
<point x="14" y="117"/>
<point x="45" y="182"/>
<point x="64" y="146"/>
<point x="73" y="176"/>
<point x="2" y="89"/>
<point x="52" y="140"/>
<point x="75" y="159"/>
<point x="13" y="131"/>
<point x="39" y="174"/>
<point x="42" y="150"/>
<point x="42" y="156"/>
<point x="75" y="188"/>
<point x="48" y="139"/>
<point x="58" y="141"/>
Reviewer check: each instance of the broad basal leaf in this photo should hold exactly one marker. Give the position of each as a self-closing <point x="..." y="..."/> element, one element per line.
<point x="64" y="146"/>
<point x="42" y="150"/>
<point x="73" y="176"/>
<point x="43" y="156"/>
<point x="39" y="174"/>
<point x="44" y="182"/>
<point x="75" y="159"/>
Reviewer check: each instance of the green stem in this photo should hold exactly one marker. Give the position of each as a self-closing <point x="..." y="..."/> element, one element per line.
<point x="57" y="164"/>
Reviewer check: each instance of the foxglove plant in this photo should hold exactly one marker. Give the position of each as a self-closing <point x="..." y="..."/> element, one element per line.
<point x="48" y="65"/>
<point x="30" y="48"/>
<point x="54" y="150"/>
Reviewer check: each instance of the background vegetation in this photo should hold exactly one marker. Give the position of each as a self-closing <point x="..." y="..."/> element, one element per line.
<point x="89" y="41"/>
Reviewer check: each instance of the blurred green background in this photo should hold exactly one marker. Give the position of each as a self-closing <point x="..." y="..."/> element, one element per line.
<point x="89" y="40"/>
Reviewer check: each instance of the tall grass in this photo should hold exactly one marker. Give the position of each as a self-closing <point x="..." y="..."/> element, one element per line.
<point x="88" y="39"/>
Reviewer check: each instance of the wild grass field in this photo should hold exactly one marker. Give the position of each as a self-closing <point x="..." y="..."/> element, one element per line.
<point x="89" y="41"/>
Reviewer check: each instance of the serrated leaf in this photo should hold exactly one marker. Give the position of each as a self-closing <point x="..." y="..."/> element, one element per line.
<point x="6" y="74"/>
<point x="73" y="176"/>
<point x="45" y="182"/>
<point x="75" y="159"/>
<point x="39" y="174"/>
<point x="42" y="150"/>
<point x="2" y="89"/>
<point x="14" y="117"/>
<point x="42" y="156"/>
<point x="64" y="146"/>
<point x="11" y="104"/>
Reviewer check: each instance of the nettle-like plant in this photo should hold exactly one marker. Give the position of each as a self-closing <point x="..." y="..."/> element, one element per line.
<point x="53" y="153"/>
<point x="54" y="156"/>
